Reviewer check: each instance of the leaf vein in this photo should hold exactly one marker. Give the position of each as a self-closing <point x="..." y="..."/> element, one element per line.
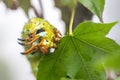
<point x="62" y="49"/>
<point x="90" y="44"/>
<point x="90" y="32"/>
<point x="82" y="60"/>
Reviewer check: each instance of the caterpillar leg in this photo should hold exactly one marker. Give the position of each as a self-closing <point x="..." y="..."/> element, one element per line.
<point x="29" y="43"/>
<point x="58" y="35"/>
<point x="32" y="48"/>
<point x="29" y="37"/>
<point x="43" y="49"/>
<point x="34" y="39"/>
<point x="25" y="39"/>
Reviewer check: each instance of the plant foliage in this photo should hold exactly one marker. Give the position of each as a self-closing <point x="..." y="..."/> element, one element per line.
<point x="76" y="55"/>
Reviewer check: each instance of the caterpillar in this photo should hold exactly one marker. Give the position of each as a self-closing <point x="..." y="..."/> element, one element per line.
<point x="39" y="34"/>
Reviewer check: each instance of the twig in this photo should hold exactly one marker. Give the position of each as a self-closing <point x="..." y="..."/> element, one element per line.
<point x="36" y="12"/>
<point x="41" y="7"/>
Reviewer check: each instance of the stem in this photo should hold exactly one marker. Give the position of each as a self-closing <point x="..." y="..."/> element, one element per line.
<point x="71" y="22"/>
<point x="41" y="7"/>
<point x="36" y="12"/>
<point x="101" y="18"/>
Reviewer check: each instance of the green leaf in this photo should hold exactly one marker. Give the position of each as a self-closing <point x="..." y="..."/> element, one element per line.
<point x="70" y="61"/>
<point x="8" y="3"/>
<point x="75" y="57"/>
<point x="70" y="3"/>
<point x="94" y="34"/>
<point x="25" y="5"/>
<point x="12" y="4"/>
<point x="70" y="79"/>
<point x="95" y="6"/>
<point x="113" y="61"/>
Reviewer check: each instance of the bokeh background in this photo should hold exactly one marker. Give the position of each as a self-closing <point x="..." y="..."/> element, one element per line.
<point x="13" y="65"/>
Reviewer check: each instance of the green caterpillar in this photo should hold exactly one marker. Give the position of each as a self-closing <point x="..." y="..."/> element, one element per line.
<point x="38" y="34"/>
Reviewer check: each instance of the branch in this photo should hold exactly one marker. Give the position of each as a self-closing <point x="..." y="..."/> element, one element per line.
<point x="41" y="7"/>
<point x="36" y="12"/>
